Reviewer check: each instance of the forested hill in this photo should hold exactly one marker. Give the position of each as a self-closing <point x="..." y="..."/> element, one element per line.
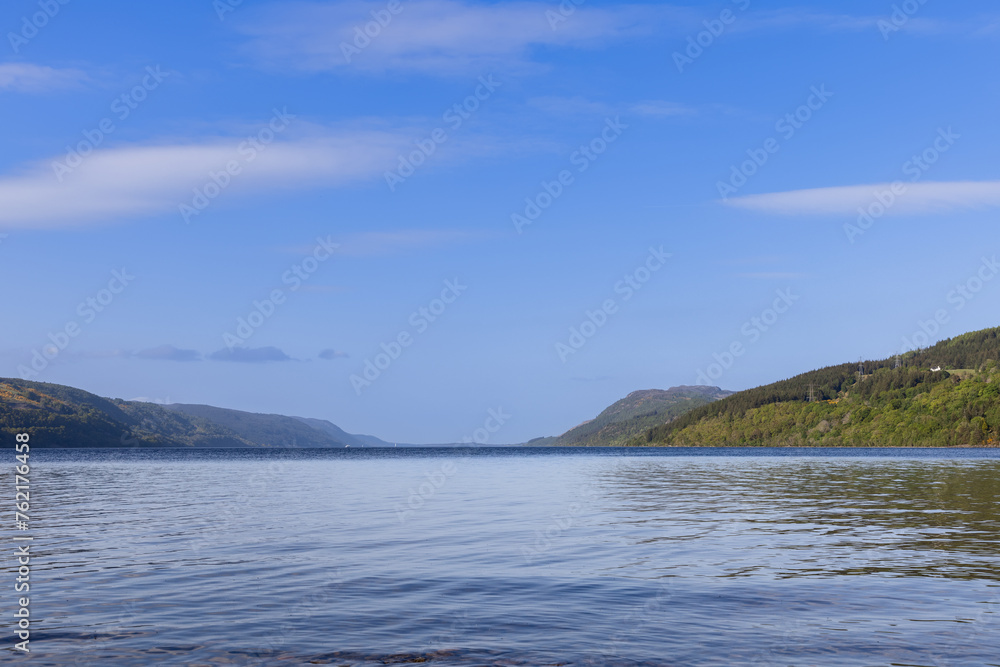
<point x="59" y="416"/>
<point x="636" y="413"/>
<point x="897" y="402"/>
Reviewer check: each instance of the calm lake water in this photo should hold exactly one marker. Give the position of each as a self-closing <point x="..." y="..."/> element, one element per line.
<point x="511" y="557"/>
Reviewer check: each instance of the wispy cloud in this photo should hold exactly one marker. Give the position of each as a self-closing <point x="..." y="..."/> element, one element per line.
<point x="445" y="37"/>
<point x="250" y="355"/>
<point x="918" y="198"/>
<point x="772" y="275"/>
<point x="581" y="106"/>
<point x="389" y="243"/>
<point x="436" y="36"/>
<point x="146" y="179"/>
<point x="168" y="353"/>
<point x="569" y="106"/>
<point x="365" y="244"/>
<point x="790" y="18"/>
<point x="28" y="78"/>
<point x="800" y="17"/>
<point x="333" y="354"/>
<point x="661" y="108"/>
<point x="323" y="289"/>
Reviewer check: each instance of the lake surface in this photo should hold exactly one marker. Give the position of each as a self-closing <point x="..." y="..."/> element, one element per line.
<point x="511" y="557"/>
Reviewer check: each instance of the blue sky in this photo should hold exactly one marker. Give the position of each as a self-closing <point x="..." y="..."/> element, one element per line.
<point x="272" y="158"/>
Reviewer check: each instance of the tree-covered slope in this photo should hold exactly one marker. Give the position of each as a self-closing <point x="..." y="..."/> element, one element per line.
<point x="636" y="413"/>
<point x="898" y="402"/>
<point x="63" y="416"/>
<point x="60" y="416"/>
<point x="268" y="430"/>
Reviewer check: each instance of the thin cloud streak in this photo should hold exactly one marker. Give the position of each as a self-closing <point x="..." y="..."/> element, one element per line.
<point x="449" y="37"/>
<point x="918" y="198"/>
<point x="368" y="244"/>
<point x="169" y="353"/>
<point x="149" y="179"/>
<point x="437" y="36"/>
<point x="29" y="78"/>
<point x="250" y="355"/>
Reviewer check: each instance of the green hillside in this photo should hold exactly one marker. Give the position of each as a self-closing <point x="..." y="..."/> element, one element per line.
<point x="637" y="413"/>
<point x="898" y="402"/>
<point x="266" y="430"/>
<point x="60" y="416"/>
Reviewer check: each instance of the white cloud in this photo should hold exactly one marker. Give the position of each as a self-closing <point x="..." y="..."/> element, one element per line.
<point x="661" y="108"/>
<point x="250" y="355"/>
<point x="387" y="243"/>
<point x="27" y="78"/>
<point x="573" y="106"/>
<point x="436" y="36"/>
<point x="458" y="36"/>
<point x="772" y="275"/>
<point x="930" y="197"/>
<point x="147" y="179"/>
<point x="784" y="19"/>
<point x="979" y="25"/>
<point x="570" y="106"/>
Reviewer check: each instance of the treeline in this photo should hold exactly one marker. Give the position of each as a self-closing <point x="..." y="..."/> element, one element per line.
<point x="971" y="350"/>
<point x="633" y="415"/>
<point x="970" y="415"/>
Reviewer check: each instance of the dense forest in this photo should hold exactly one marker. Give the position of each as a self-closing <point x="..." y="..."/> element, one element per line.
<point x="635" y="414"/>
<point x="60" y="416"/>
<point x="897" y="402"/>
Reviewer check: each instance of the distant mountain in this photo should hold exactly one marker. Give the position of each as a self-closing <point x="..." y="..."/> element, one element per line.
<point x="356" y="439"/>
<point x="635" y="414"/>
<point x="60" y="416"/>
<point x="340" y="435"/>
<point x="269" y="430"/>
<point x="944" y="395"/>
